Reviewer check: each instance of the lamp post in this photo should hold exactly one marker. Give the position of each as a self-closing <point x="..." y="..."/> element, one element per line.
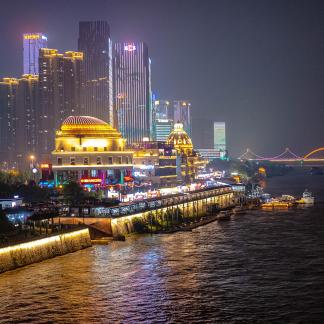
<point x="32" y="165"/>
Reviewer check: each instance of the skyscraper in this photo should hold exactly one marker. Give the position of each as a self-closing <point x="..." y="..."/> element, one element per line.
<point x="27" y="118"/>
<point x="180" y="113"/>
<point x="162" y="124"/>
<point x="73" y="83"/>
<point x="94" y="42"/>
<point x="19" y="110"/>
<point x="132" y="86"/>
<point x="61" y="85"/>
<point x="161" y="109"/>
<point x="51" y="96"/>
<point x="162" y="129"/>
<point x="8" y="110"/>
<point x="32" y="43"/>
<point x="219" y="136"/>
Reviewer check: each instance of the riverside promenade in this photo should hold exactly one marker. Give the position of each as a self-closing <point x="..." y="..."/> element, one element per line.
<point x="161" y="211"/>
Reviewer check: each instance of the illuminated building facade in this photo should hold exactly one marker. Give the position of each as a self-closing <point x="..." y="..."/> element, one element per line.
<point x="32" y="43"/>
<point x="189" y="162"/>
<point x="51" y="96"/>
<point x="132" y="86"/>
<point x="162" y="124"/>
<point x="162" y="129"/>
<point x="219" y="136"/>
<point x="73" y="83"/>
<point x="162" y="109"/>
<point x="90" y="151"/>
<point x="180" y="113"/>
<point x="155" y="163"/>
<point x="61" y="85"/>
<point x="8" y="117"/>
<point x="94" y="41"/>
<point x="211" y="154"/>
<point x="27" y="118"/>
<point x="19" y="109"/>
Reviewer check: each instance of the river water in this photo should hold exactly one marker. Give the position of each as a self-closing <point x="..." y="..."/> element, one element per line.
<point x="258" y="267"/>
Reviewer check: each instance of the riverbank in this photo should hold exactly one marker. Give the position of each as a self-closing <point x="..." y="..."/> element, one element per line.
<point x="189" y="227"/>
<point x="19" y="255"/>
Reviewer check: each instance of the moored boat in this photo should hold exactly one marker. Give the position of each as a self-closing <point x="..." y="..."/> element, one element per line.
<point x="307" y="198"/>
<point x="277" y="204"/>
<point x="224" y="215"/>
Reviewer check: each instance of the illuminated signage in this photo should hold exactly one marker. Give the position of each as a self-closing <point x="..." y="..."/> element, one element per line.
<point x="31" y="36"/>
<point x="130" y="47"/>
<point x="44" y="166"/>
<point x="91" y="180"/>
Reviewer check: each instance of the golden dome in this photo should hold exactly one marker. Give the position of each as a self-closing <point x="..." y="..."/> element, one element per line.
<point x="180" y="139"/>
<point x="87" y="126"/>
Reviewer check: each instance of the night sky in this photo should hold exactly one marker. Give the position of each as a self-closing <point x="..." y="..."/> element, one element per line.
<point x="257" y="65"/>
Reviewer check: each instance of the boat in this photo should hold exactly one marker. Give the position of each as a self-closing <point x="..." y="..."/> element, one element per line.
<point x="238" y="210"/>
<point x="307" y="198"/>
<point x="277" y="204"/>
<point x="224" y="215"/>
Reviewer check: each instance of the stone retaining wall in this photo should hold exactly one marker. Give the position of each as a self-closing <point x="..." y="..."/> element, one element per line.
<point x="19" y="255"/>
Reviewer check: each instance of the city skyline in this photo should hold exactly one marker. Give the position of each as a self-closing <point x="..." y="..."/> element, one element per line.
<point x="258" y="65"/>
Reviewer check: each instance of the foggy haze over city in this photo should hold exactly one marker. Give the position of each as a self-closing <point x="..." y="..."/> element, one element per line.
<point x="257" y="65"/>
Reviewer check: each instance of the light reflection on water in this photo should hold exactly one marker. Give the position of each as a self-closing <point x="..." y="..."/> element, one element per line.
<point x="257" y="267"/>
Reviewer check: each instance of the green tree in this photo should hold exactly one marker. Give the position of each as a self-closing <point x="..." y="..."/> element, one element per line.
<point x="73" y="193"/>
<point x="5" y="225"/>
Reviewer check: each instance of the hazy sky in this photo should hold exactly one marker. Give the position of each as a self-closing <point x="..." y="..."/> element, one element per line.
<point x="257" y="65"/>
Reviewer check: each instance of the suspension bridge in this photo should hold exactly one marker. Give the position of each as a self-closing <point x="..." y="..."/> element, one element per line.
<point x="313" y="158"/>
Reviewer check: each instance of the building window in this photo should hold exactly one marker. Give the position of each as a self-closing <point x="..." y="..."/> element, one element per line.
<point x="93" y="173"/>
<point x="73" y="148"/>
<point x="127" y="159"/>
<point x="95" y="148"/>
<point x="120" y="160"/>
<point x="72" y="160"/>
<point x="59" y="161"/>
<point x="86" y="161"/>
<point x="99" y="160"/>
<point x="105" y="148"/>
<point x="84" y="148"/>
<point x="110" y="160"/>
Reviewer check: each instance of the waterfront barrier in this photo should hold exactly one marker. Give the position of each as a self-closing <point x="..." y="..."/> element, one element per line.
<point x="19" y="255"/>
<point x="166" y="211"/>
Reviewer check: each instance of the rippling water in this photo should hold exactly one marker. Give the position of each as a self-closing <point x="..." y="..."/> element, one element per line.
<point x="258" y="267"/>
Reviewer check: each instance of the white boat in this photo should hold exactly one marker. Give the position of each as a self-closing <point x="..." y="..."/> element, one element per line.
<point x="307" y="198"/>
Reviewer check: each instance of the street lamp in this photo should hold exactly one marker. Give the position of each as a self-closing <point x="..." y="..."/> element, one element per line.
<point x="32" y="166"/>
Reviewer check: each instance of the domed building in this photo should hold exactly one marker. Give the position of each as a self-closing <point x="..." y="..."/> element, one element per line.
<point x="189" y="161"/>
<point x="90" y="151"/>
<point x="180" y="140"/>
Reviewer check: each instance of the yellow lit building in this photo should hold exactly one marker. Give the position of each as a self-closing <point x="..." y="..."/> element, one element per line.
<point x="189" y="161"/>
<point x="155" y="162"/>
<point x="90" y="151"/>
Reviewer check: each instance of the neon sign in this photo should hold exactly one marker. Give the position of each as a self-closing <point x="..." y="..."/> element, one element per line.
<point x="91" y="180"/>
<point x="130" y="47"/>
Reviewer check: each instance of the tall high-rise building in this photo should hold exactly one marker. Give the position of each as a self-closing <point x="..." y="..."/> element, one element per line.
<point x="73" y="83"/>
<point x="8" y="117"/>
<point x="61" y="85"/>
<point x="132" y="86"/>
<point x="219" y="136"/>
<point x="180" y="113"/>
<point x="27" y="120"/>
<point x="94" y="41"/>
<point x="32" y="43"/>
<point x="162" y="129"/>
<point x="161" y="109"/>
<point x="162" y="124"/>
<point x="51" y="92"/>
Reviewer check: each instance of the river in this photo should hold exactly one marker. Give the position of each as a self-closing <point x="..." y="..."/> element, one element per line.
<point x="258" y="267"/>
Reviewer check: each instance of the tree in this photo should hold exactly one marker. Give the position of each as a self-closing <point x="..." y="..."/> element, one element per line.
<point x="73" y="193"/>
<point x="5" y="225"/>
